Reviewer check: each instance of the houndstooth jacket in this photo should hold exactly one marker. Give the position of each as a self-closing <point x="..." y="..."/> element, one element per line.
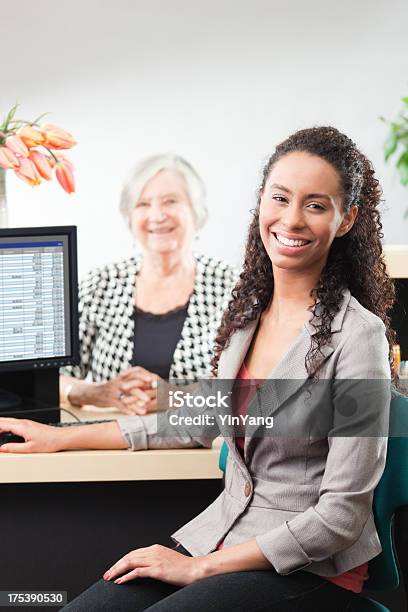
<point x="106" y="324"/>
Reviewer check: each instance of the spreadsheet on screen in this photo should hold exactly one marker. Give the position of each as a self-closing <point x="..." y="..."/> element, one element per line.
<point x="34" y="304"/>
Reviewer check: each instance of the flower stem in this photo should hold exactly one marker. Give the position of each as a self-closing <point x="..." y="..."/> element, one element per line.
<point x="3" y="199"/>
<point x="52" y="154"/>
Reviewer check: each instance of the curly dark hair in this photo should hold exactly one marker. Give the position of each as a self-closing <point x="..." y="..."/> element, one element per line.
<point x="355" y="260"/>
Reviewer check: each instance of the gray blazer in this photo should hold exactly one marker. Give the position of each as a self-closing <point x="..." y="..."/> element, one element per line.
<point x="307" y="500"/>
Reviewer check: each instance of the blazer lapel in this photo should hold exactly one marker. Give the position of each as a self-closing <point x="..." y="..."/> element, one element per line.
<point x="283" y="381"/>
<point x="290" y="374"/>
<point x="126" y="286"/>
<point x="232" y="357"/>
<point x="229" y="365"/>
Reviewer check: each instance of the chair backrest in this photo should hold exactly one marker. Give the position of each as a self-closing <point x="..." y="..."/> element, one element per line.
<point x="391" y="493"/>
<point x="222" y="460"/>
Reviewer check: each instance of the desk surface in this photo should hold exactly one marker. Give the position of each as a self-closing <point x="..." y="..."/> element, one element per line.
<point x="111" y="465"/>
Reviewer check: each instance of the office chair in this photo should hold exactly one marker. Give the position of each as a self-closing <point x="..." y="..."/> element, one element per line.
<point x="391" y="494"/>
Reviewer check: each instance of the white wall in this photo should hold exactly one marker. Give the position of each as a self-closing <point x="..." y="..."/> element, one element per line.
<point x="218" y="81"/>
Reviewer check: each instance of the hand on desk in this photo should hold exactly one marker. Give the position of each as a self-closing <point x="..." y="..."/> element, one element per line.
<point x="132" y="392"/>
<point x="39" y="438"/>
<point x="140" y="389"/>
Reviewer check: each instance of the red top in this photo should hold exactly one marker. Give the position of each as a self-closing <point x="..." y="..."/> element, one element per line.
<point x="353" y="579"/>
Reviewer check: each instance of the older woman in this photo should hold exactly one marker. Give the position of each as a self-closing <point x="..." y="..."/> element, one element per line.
<point x="154" y="314"/>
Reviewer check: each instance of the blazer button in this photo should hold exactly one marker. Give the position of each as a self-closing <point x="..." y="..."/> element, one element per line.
<point x="247" y="489"/>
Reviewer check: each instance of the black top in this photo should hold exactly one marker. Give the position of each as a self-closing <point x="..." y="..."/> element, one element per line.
<point x="156" y="337"/>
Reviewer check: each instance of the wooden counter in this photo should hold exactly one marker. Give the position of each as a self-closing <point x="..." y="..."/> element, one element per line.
<point x="110" y="465"/>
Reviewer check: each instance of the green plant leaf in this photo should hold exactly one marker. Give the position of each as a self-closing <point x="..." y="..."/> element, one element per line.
<point x="390" y="145"/>
<point x="398" y="139"/>
<point x="10" y="116"/>
<point x="402" y="165"/>
<point x="403" y="172"/>
<point x="397" y="126"/>
<point x="37" y="120"/>
<point x="403" y="159"/>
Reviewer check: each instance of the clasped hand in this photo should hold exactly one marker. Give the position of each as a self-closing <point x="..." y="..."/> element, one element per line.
<point x="132" y="392"/>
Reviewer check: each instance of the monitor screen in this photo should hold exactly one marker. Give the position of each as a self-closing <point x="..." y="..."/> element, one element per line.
<point x="38" y="298"/>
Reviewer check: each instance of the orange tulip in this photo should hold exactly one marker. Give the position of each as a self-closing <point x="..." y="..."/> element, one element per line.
<point x="7" y="159"/>
<point x="15" y="144"/>
<point x="52" y="161"/>
<point x="27" y="172"/>
<point x="30" y="136"/>
<point x="63" y="158"/>
<point x="56" y="137"/>
<point x="65" y="175"/>
<point x="42" y="163"/>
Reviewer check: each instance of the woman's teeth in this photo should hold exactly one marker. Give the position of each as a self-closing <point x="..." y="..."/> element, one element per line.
<point x="288" y="242"/>
<point x="161" y="231"/>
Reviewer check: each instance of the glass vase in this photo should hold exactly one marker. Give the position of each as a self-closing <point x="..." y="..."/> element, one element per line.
<point x="3" y="199"/>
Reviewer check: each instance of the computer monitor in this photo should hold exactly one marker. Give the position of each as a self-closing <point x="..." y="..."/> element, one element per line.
<point x="38" y="317"/>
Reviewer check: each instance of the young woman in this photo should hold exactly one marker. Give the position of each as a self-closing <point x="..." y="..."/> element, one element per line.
<point x="293" y="529"/>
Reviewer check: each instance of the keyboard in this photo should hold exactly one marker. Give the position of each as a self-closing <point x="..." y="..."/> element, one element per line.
<point x="75" y="423"/>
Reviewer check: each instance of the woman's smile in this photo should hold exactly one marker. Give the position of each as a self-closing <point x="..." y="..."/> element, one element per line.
<point x="289" y="246"/>
<point x="158" y="231"/>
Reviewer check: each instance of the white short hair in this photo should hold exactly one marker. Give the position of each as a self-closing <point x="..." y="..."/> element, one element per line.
<point x="148" y="168"/>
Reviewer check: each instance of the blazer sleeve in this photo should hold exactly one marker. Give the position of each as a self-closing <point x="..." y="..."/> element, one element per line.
<point x="184" y="427"/>
<point x="87" y="309"/>
<point x="354" y="464"/>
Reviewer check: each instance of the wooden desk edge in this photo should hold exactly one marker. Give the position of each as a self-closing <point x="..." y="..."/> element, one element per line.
<point x="111" y="465"/>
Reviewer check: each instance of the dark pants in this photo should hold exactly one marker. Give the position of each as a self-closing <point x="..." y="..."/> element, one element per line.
<point x="252" y="591"/>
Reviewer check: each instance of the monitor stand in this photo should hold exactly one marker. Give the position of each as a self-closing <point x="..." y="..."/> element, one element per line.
<point x="30" y="394"/>
<point x="9" y="400"/>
